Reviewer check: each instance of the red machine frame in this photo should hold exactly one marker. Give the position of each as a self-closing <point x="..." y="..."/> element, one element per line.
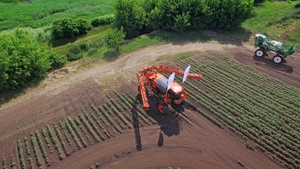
<point x="149" y="71"/>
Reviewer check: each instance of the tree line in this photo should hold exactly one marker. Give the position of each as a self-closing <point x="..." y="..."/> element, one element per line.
<point x="136" y="16"/>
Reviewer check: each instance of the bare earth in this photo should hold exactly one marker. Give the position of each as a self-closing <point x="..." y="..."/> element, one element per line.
<point x="202" y="145"/>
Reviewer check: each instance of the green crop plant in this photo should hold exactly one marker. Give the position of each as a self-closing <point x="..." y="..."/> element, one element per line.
<point x="28" y="152"/>
<point x="4" y="163"/>
<point x="109" y="119"/>
<point x="63" y="145"/>
<point x="93" y="125"/>
<point x="53" y="139"/>
<point x="97" y="165"/>
<point x="12" y="162"/>
<point x="117" y="111"/>
<point x="61" y="125"/>
<point x="41" y="145"/>
<point x="31" y="163"/>
<point x="86" y="135"/>
<point x="142" y="115"/>
<point x="73" y="126"/>
<point x="21" y="155"/>
<point x="70" y="129"/>
<point x="94" y="108"/>
<point x="100" y="125"/>
<point x="77" y="122"/>
<point x="67" y="138"/>
<point x="88" y="127"/>
<point x="35" y="152"/>
<point x="47" y="140"/>
<point x="116" y="104"/>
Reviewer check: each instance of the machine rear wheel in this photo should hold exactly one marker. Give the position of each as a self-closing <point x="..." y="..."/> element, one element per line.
<point x="259" y="53"/>
<point x="162" y="107"/>
<point x="277" y="59"/>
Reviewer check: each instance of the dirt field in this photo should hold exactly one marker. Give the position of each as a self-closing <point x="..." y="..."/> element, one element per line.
<point x="201" y="145"/>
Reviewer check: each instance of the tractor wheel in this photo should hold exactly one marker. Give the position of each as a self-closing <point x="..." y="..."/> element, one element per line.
<point x="146" y="90"/>
<point x="162" y="107"/>
<point x="259" y="53"/>
<point x="277" y="59"/>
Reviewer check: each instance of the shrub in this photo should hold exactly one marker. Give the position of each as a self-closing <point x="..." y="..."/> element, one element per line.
<point x="64" y="28"/>
<point x="23" y="59"/>
<point x="297" y="5"/>
<point x="85" y="46"/>
<point x="114" y="38"/>
<point x="102" y="20"/>
<point x="82" y="25"/>
<point x="74" y="53"/>
<point x="67" y="27"/>
<point x="57" y="61"/>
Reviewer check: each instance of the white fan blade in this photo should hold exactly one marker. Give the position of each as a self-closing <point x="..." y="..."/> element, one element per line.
<point x="186" y="73"/>
<point x="170" y="81"/>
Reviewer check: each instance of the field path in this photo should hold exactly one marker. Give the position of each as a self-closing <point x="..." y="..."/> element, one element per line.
<point x="127" y="65"/>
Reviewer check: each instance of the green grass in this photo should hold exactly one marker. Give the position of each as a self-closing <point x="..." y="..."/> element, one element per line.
<point x="41" y="13"/>
<point x="182" y="56"/>
<point x="279" y="19"/>
<point x="99" y="50"/>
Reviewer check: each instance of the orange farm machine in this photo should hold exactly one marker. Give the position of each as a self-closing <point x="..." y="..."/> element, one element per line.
<point x="171" y="91"/>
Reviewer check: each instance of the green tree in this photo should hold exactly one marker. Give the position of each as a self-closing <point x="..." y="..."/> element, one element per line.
<point x="175" y="14"/>
<point x="114" y="38"/>
<point x="23" y="59"/>
<point x="229" y="14"/>
<point x="153" y="15"/>
<point x="130" y="15"/>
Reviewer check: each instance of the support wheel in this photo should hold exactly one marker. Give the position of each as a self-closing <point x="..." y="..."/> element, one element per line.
<point x="162" y="107"/>
<point x="277" y="59"/>
<point x="259" y="53"/>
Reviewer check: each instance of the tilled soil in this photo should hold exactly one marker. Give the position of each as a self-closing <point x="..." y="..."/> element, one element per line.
<point x="65" y="90"/>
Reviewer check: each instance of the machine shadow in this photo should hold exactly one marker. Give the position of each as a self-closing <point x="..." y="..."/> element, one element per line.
<point x="268" y="62"/>
<point x="169" y="123"/>
<point x="136" y="126"/>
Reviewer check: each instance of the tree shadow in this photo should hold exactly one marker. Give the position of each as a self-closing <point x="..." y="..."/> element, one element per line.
<point x="269" y="62"/>
<point x="8" y="95"/>
<point x="111" y="55"/>
<point x="237" y="36"/>
<point x="169" y="123"/>
<point x="62" y="42"/>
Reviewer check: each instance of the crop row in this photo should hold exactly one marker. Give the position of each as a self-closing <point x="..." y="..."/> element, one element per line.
<point x="262" y="109"/>
<point x="21" y="155"/>
<point x="63" y="145"/>
<point x="115" y="114"/>
<point x="53" y="139"/>
<point x="232" y="94"/>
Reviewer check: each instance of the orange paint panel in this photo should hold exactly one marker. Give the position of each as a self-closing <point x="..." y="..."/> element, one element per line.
<point x="176" y="88"/>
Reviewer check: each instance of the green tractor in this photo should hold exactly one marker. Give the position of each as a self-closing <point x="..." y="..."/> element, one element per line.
<point x="266" y="43"/>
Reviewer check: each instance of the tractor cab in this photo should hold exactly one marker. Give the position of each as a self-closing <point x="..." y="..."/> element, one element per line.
<point x="176" y="93"/>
